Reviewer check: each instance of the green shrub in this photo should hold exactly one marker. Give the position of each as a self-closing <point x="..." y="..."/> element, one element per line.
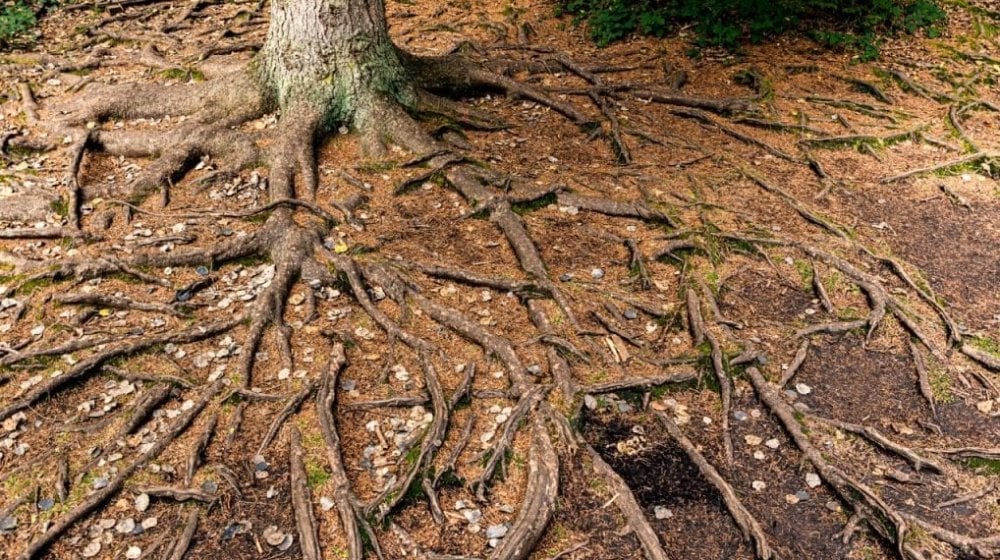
<point x="18" y="17"/>
<point x="15" y="20"/>
<point x="853" y="24"/>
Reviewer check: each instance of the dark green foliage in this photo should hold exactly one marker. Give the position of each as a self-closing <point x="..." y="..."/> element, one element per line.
<point x="854" y="24"/>
<point x="18" y="17"/>
<point x="15" y="19"/>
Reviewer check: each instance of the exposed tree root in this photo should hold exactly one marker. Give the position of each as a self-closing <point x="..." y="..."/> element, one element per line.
<point x="99" y="497"/>
<point x="751" y="529"/>
<point x="565" y="320"/>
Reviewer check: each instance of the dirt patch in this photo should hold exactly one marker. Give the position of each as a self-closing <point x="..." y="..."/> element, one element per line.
<point x="953" y="246"/>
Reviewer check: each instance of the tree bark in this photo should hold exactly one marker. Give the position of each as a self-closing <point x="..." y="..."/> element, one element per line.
<point x="332" y="56"/>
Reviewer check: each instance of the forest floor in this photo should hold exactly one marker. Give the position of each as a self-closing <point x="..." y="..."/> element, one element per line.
<point x="833" y="245"/>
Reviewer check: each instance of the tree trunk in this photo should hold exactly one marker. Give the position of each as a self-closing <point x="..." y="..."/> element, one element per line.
<point x="332" y="56"/>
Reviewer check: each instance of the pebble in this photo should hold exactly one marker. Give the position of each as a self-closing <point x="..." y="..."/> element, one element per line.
<point x="803" y="389"/>
<point x="235" y="528"/>
<point x="661" y="512"/>
<point x="740" y="416"/>
<point x="133" y="552"/>
<point x="99" y="482"/>
<point x="758" y="485"/>
<point x="802" y="495"/>
<point x="125" y="526"/>
<point x="149" y="523"/>
<point x="273" y="536"/>
<point x="473" y="516"/>
<point x="92" y="549"/>
<point x="597" y="274"/>
<point x="752" y="439"/>
<point x="565" y="277"/>
<point x="497" y="531"/>
<point x="791" y="499"/>
<point x="813" y="480"/>
<point x="325" y="503"/>
<point x="45" y="504"/>
<point x="590" y="402"/>
<point x="630" y="314"/>
<point x="210" y="487"/>
<point x="8" y="523"/>
<point x="773" y="443"/>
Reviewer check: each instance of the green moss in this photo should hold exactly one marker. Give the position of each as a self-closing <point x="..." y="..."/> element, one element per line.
<point x="986" y="344"/>
<point x="316" y="474"/>
<point x="522" y="208"/>
<point x="412" y="456"/>
<point x="60" y="206"/>
<point x="981" y="465"/>
<point x="805" y="270"/>
<point x="183" y="74"/>
<point x="940" y="386"/>
<point x="373" y="167"/>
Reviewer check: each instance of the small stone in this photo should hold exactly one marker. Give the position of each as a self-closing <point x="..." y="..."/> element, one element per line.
<point x="45" y="504"/>
<point x="759" y="455"/>
<point x="834" y="506"/>
<point x="791" y="499"/>
<point x="630" y="314"/>
<point x="813" y="480"/>
<point x="802" y="495"/>
<point x="273" y="536"/>
<point x="8" y="523"/>
<point x="803" y="389"/>
<point x="758" y="485"/>
<point x="473" y="516"/>
<point x="661" y="512"/>
<point x="597" y="274"/>
<point x="201" y="271"/>
<point x="590" y="402"/>
<point x="210" y="487"/>
<point x="325" y="503"/>
<point x="773" y="443"/>
<point x="985" y="406"/>
<point x="740" y="416"/>
<point x="133" y="552"/>
<point x="99" y="482"/>
<point x="92" y="549"/>
<point x="565" y="277"/>
<point x="125" y="526"/>
<point x="497" y="531"/>
<point x="752" y="440"/>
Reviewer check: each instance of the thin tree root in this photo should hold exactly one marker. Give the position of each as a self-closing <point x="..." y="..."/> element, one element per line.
<point x="752" y="531"/>
<point x="99" y="497"/>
